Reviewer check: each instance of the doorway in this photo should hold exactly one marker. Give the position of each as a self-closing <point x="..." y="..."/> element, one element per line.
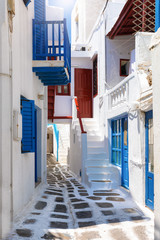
<point x="38" y="137"/>
<point x="83" y="91"/>
<point x="149" y="156"/>
<point x="125" y="170"/>
<point x="120" y="148"/>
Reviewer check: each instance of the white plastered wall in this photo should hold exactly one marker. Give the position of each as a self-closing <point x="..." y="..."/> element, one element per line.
<point x="155" y="51"/>
<point x="5" y="122"/>
<point x="17" y="170"/>
<point x="121" y="48"/>
<point x="27" y="84"/>
<point x="116" y="49"/>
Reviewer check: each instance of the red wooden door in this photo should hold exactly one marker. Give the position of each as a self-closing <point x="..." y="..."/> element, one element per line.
<point x="51" y="101"/>
<point x="83" y="91"/>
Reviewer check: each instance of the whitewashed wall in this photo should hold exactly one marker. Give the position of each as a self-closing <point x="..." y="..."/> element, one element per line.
<point x="5" y="123"/>
<point x="155" y="51"/>
<point x="109" y="54"/>
<point x="16" y="169"/>
<point x="75" y="152"/>
<point x="116" y="49"/>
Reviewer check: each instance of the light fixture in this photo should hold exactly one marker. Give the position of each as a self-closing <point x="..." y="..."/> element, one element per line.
<point x="41" y="96"/>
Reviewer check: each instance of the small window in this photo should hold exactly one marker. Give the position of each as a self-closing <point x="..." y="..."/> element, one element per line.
<point x="95" y="78"/>
<point x="124" y="67"/>
<point x="63" y="90"/>
<point x="26" y="2"/>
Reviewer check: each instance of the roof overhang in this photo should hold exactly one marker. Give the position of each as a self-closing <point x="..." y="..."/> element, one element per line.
<point x="136" y="15"/>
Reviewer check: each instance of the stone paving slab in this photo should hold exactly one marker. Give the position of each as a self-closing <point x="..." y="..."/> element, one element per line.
<point x="59" y="216"/>
<point x="61" y="225"/>
<point x="86" y="224"/>
<point x="83" y="214"/>
<point x="60" y="208"/>
<point x="40" y="205"/>
<point x="81" y="205"/>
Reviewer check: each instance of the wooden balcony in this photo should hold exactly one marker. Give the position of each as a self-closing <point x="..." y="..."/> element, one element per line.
<point x="51" y="52"/>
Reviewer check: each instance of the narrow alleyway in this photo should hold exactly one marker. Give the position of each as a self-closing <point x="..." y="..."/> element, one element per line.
<point x="66" y="210"/>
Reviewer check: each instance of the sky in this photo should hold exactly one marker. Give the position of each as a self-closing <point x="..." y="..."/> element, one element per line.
<point x="68" y="6"/>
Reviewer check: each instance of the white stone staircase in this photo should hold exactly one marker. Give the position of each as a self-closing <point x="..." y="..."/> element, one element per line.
<point x="99" y="173"/>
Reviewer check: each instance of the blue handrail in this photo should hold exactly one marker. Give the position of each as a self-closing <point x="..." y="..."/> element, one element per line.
<point x="56" y="131"/>
<point x="51" y="42"/>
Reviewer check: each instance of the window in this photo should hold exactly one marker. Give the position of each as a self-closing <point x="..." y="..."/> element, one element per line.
<point x="63" y="90"/>
<point x="95" y="78"/>
<point x="124" y="67"/>
<point x="26" y="2"/>
<point x="116" y="142"/>
<point x="28" y="125"/>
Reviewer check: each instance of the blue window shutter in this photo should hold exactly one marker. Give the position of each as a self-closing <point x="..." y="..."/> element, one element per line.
<point x="40" y="15"/>
<point x="28" y="125"/>
<point x="40" y="10"/>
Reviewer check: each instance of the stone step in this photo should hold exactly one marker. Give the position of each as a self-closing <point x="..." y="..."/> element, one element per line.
<point x="97" y="162"/>
<point x="107" y="185"/>
<point x="102" y="176"/>
<point x="93" y="138"/>
<point x="95" y="143"/>
<point x="97" y="170"/>
<point x="95" y="149"/>
<point x="96" y="155"/>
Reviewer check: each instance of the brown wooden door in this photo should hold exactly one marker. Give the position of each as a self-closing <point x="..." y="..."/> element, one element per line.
<point x="51" y="101"/>
<point x="83" y="91"/>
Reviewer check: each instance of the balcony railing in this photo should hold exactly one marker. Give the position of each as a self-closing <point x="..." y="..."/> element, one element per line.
<point x="51" y="42"/>
<point x="118" y="95"/>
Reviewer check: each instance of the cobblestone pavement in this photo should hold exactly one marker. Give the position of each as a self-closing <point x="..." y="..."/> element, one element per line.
<point x="66" y="210"/>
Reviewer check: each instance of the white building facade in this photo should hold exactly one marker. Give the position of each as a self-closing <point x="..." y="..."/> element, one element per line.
<point x="26" y="54"/>
<point x="118" y="147"/>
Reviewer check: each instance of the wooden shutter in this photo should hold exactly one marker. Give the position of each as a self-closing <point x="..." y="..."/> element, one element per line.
<point x="40" y="10"/>
<point x="40" y="15"/>
<point x="28" y="125"/>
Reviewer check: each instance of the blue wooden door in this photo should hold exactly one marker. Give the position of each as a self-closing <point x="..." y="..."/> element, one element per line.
<point x="149" y="196"/>
<point x="125" y="170"/>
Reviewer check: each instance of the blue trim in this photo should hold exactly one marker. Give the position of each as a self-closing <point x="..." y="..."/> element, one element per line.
<point x="125" y="170"/>
<point x="36" y="175"/>
<point x="149" y="183"/>
<point x="119" y="150"/>
<point x="114" y="147"/>
<point x="157" y="15"/>
<point x="56" y="131"/>
<point x="59" y="50"/>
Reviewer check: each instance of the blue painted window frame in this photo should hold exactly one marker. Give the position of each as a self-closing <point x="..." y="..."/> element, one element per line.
<point x="116" y="146"/>
<point x="28" y="125"/>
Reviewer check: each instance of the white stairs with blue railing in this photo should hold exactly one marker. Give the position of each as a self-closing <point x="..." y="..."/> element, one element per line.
<point x="99" y="173"/>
